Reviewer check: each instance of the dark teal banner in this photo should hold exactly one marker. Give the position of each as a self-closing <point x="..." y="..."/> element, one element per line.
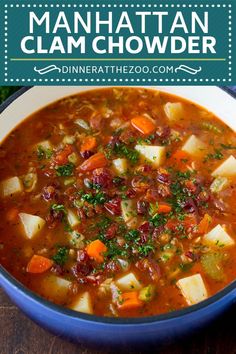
<point x="118" y="42"/>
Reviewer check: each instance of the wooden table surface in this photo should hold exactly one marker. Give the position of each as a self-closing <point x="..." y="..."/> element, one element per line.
<point x="19" y="335"/>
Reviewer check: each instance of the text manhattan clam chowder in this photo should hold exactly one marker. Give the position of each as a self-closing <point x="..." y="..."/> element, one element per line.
<point x="76" y="32"/>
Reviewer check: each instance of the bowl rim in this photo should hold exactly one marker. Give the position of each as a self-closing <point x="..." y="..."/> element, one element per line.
<point x="123" y="321"/>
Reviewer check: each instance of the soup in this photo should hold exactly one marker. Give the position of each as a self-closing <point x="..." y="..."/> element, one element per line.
<point x="120" y="202"/>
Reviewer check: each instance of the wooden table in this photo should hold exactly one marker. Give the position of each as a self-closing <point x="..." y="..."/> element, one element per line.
<point x="19" y="335"/>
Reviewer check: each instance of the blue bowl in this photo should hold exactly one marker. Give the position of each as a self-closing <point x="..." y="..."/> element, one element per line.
<point x="104" y="331"/>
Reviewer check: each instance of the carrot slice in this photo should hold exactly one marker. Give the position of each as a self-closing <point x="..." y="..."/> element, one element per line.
<point x="143" y="124"/>
<point x="204" y="224"/>
<point x="189" y="221"/>
<point x="39" y="264"/>
<point x="180" y="155"/>
<point x="96" y="161"/>
<point x="61" y="157"/>
<point x="96" y="249"/>
<point x="88" y="144"/>
<point x="164" y="208"/>
<point x="129" y="301"/>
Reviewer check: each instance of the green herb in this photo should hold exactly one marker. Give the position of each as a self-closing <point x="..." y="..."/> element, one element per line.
<point x="158" y="220"/>
<point x="165" y="257"/>
<point x="43" y="154"/>
<point x="181" y="217"/>
<point x="92" y="185"/>
<point x="123" y="151"/>
<point x="102" y="224"/>
<point x="67" y="227"/>
<point x="184" y="175"/>
<point x="167" y="246"/>
<point x="185" y="267"/>
<point x="117" y="180"/>
<point x="153" y="207"/>
<point x="114" y="250"/>
<point x="147" y="140"/>
<point x="211" y="127"/>
<point x="180" y="227"/>
<point x="216" y="156"/>
<point x="65" y="170"/>
<point x="178" y="251"/>
<point x="131" y="140"/>
<point x="228" y="147"/>
<point x="144" y="250"/>
<point x="183" y="237"/>
<point x="95" y="199"/>
<point x="61" y="256"/>
<point x="219" y="244"/>
<point x="132" y="235"/>
<point x="58" y="207"/>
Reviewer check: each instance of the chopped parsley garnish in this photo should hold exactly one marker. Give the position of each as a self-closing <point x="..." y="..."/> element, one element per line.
<point x="131" y="154"/>
<point x="65" y="170"/>
<point x="144" y="250"/>
<point x="43" y="154"/>
<point x="95" y="199"/>
<point x="132" y="235"/>
<point x="94" y="186"/>
<point x="123" y="151"/>
<point x="211" y="127"/>
<point x="104" y="223"/>
<point x="217" y="155"/>
<point x="114" y="250"/>
<point x="61" y="256"/>
<point x="184" y="175"/>
<point x="61" y="210"/>
<point x="58" y="207"/>
<point x="228" y="147"/>
<point x="158" y="220"/>
<point x="147" y="140"/>
<point x="153" y="207"/>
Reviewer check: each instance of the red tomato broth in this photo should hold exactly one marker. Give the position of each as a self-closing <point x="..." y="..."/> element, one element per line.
<point x="102" y="110"/>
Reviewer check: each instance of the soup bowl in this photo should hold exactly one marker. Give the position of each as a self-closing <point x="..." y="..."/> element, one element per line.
<point x="105" y="331"/>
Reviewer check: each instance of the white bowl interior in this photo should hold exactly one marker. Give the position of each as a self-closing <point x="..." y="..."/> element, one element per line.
<point x="210" y="97"/>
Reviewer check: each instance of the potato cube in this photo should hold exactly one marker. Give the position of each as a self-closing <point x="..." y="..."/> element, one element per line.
<point x="11" y="186"/>
<point x="226" y="169"/>
<point x="83" y="304"/>
<point x="53" y="286"/>
<point x="219" y="184"/>
<point x="120" y="166"/>
<point x="30" y="181"/>
<point x="32" y="224"/>
<point x="174" y="111"/>
<point x="218" y="237"/>
<point x="72" y="218"/>
<point x="153" y="154"/>
<point x="194" y="146"/>
<point x="128" y="209"/>
<point x="128" y="282"/>
<point x="193" y="289"/>
<point x="132" y="223"/>
<point x="44" y="145"/>
<point x="147" y="294"/>
<point x="76" y="239"/>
